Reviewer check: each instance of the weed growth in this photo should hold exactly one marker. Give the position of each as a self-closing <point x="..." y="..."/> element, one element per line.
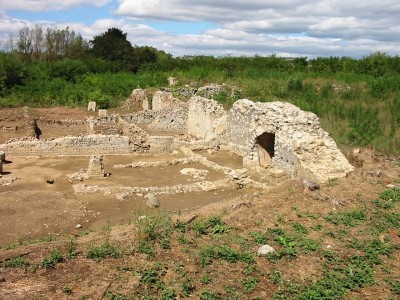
<point x="106" y="250"/>
<point x="50" y="261"/>
<point x="16" y="262"/>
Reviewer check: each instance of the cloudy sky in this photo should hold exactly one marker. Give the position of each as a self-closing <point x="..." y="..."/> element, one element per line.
<point x="225" y="27"/>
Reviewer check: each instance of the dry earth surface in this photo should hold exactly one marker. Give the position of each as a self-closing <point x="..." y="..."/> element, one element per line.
<point x="198" y="246"/>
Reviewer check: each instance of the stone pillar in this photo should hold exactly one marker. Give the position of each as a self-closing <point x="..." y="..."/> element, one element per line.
<point x="96" y="166"/>
<point x="90" y="126"/>
<point x="2" y="155"/>
<point x="145" y="104"/>
<point x="91" y="106"/>
<point x="1" y="167"/>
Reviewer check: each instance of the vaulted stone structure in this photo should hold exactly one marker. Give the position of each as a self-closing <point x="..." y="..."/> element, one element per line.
<point x="270" y="134"/>
<point x="280" y="133"/>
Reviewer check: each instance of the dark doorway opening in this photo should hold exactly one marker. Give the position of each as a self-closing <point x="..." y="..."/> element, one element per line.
<point x="266" y="148"/>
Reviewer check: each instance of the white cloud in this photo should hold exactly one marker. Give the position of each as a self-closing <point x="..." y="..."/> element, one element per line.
<point x="47" y="5"/>
<point x="324" y="18"/>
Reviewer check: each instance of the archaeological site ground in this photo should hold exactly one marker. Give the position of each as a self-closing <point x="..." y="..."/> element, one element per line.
<point x="173" y="196"/>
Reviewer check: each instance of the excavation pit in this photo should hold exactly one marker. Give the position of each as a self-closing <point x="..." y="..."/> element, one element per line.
<point x="169" y="151"/>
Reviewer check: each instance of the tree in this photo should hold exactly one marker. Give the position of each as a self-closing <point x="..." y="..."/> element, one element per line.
<point x="12" y="72"/>
<point x="37" y="42"/>
<point x="113" y="45"/>
<point x="25" y="41"/>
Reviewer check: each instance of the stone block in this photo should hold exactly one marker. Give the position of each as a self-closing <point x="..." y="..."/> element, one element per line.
<point x="96" y="166"/>
<point x="135" y="100"/>
<point x="102" y="113"/>
<point x="282" y="135"/>
<point x="206" y="118"/>
<point x="91" y="106"/>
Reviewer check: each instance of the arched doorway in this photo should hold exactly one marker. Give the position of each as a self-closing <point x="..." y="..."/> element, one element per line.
<point x="266" y="148"/>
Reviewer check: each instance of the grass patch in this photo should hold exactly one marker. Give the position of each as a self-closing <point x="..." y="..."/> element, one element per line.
<point x="106" y="250"/>
<point x="50" y="261"/>
<point x="15" y="262"/>
<point x="348" y="218"/>
<point x="210" y="253"/>
<point x="152" y="230"/>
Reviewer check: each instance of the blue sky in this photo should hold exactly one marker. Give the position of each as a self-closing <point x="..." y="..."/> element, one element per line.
<point x="225" y="27"/>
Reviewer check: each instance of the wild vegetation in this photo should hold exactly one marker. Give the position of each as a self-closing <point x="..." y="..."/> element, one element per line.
<point x="319" y="254"/>
<point x="358" y="100"/>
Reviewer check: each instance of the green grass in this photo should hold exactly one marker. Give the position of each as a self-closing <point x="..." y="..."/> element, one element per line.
<point x="50" y="261"/>
<point x="152" y="230"/>
<point x="210" y="253"/>
<point x="348" y="218"/>
<point x="106" y="250"/>
<point x="16" y="262"/>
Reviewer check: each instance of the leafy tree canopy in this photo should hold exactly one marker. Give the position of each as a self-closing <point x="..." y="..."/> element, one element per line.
<point x="112" y="45"/>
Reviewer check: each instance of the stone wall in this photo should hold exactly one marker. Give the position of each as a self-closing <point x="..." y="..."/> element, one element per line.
<point x="136" y="100"/>
<point x="172" y="120"/>
<point x="138" y="137"/>
<point x="106" y="125"/>
<point x="301" y="146"/>
<point x="70" y="145"/>
<point x="206" y="119"/>
<point x="162" y="100"/>
<point x="161" y="144"/>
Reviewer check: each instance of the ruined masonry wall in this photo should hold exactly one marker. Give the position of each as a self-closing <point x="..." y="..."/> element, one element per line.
<point x="302" y="147"/>
<point x="136" y="100"/>
<point x="162" y="100"/>
<point x="81" y="145"/>
<point x="206" y="118"/>
<point x="165" y="120"/>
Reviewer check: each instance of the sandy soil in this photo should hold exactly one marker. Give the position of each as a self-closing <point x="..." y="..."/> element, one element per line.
<point x="32" y="208"/>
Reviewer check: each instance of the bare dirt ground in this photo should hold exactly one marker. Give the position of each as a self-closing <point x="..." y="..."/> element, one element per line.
<point x="31" y="208"/>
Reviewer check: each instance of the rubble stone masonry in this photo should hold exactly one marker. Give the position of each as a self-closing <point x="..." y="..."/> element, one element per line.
<point x="297" y="142"/>
<point x="69" y="145"/>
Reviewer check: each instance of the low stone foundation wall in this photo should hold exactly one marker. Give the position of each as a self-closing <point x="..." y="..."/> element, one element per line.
<point x="70" y="145"/>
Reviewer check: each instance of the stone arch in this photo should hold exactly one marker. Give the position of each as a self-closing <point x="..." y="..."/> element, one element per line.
<point x="265" y="145"/>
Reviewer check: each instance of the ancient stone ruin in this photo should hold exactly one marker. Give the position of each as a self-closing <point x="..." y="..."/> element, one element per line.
<point x="96" y="166"/>
<point x="274" y="141"/>
<point x="280" y="134"/>
<point x="92" y="106"/>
